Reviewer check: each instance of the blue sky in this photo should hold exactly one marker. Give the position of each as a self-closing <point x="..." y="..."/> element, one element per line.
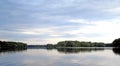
<point x="50" y="21"/>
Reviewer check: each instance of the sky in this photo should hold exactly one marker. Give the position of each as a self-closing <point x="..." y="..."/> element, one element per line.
<point x="40" y="22"/>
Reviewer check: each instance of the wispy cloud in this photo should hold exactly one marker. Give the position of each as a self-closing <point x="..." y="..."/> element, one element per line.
<point x="43" y="21"/>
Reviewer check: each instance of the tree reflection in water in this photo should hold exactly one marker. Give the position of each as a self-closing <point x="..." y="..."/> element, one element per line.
<point x="116" y="51"/>
<point x="78" y="50"/>
<point x="5" y="51"/>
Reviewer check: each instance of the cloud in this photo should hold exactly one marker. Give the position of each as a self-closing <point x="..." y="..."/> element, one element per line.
<point x="100" y="29"/>
<point x="42" y="21"/>
<point x="114" y="11"/>
<point x="81" y="21"/>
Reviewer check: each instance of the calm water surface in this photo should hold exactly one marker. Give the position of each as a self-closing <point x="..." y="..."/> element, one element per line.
<point x="61" y="57"/>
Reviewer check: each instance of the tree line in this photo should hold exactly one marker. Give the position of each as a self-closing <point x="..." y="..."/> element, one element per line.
<point x="79" y="44"/>
<point x="9" y="45"/>
<point x="115" y="44"/>
<point x="76" y="44"/>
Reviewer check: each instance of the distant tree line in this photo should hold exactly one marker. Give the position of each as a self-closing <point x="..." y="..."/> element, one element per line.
<point x="76" y="44"/>
<point x="36" y="46"/>
<point x="79" y="44"/>
<point x="115" y="43"/>
<point x="9" y="45"/>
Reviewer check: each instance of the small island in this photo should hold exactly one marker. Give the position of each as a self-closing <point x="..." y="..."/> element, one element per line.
<point x="79" y="44"/>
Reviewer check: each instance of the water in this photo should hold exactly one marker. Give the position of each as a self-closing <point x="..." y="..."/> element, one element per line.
<point x="61" y="57"/>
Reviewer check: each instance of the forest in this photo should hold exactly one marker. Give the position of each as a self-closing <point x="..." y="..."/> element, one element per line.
<point x="79" y="44"/>
<point x="62" y="44"/>
<point x="9" y="45"/>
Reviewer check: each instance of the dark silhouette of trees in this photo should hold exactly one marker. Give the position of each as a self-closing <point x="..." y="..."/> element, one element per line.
<point x="79" y="44"/>
<point x="116" y="51"/>
<point x="50" y="46"/>
<point x="116" y="42"/>
<point x="8" y="45"/>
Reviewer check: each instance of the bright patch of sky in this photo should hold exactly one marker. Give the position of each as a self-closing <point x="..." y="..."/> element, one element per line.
<point x="51" y="21"/>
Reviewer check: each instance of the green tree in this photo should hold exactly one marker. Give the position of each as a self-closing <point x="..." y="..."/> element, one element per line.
<point x="79" y="44"/>
<point x="8" y="45"/>
<point x="116" y="42"/>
